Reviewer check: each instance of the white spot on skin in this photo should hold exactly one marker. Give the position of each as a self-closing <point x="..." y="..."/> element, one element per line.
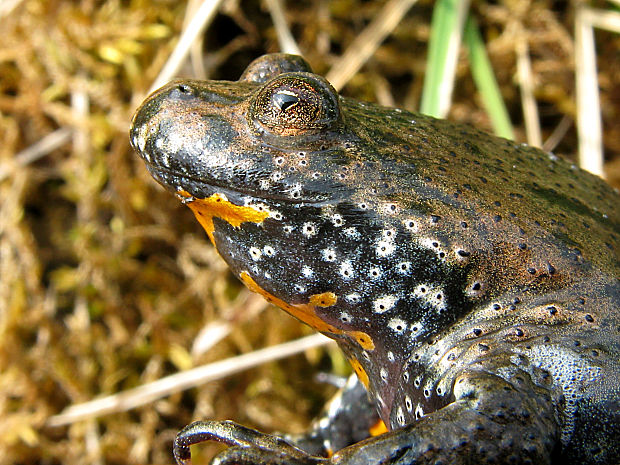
<point x="255" y="253"/>
<point x="433" y="296"/>
<point x="337" y="220"/>
<point x="141" y="138"/>
<point x="261" y="207"/>
<point x="346" y="269"/>
<point x="416" y="330"/>
<point x="353" y="298"/>
<point x="165" y="159"/>
<point x="389" y="208"/>
<point x="276" y="176"/>
<point x="351" y="232"/>
<point x="329" y="255"/>
<point x="299" y="288"/>
<point x="264" y="184"/>
<point x="307" y="271"/>
<point x="384" y="248"/>
<point x="475" y="289"/>
<point x="385" y="303"/>
<point x="294" y="192"/>
<point x="397" y="325"/>
<point x="421" y="290"/>
<point x="419" y="412"/>
<point x="269" y="251"/>
<point x="403" y="267"/>
<point x="374" y="273"/>
<point x="276" y="215"/>
<point x="410" y="225"/>
<point x="390" y="356"/>
<point x="434" y="245"/>
<point x="309" y="229"/>
<point x="400" y="416"/>
<point x="388" y="234"/>
<point x="408" y="404"/>
<point x="383" y="374"/>
<point x="287" y="228"/>
<point x="345" y="317"/>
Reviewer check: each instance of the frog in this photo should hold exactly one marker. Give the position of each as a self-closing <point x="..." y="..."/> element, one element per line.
<point x="472" y="282"/>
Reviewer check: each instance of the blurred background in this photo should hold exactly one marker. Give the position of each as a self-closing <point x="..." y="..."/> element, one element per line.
<point x="107" y="283"/>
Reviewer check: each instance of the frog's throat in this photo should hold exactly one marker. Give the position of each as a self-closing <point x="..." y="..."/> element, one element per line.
<point x="218" y="206"/>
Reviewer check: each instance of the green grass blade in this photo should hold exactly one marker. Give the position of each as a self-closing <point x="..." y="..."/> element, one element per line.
<point x="443" y="48"/>
<point x="485" y="81"/>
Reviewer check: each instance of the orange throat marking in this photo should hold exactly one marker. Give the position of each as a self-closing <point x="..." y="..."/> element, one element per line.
<point x="218" y="206"/>
<point x="307" y="312"/>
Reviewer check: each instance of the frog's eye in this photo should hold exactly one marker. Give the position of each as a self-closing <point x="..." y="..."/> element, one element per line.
<point x="295" y="104"/>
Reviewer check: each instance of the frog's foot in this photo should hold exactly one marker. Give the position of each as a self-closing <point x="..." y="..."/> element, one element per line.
<point x="249" y="447"/>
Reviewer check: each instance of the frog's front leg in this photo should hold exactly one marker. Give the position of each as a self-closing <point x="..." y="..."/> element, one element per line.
<point x="490" y="421"/>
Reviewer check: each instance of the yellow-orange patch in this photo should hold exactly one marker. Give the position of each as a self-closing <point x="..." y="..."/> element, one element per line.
<point x="218" y="206"/>
<point x="303" y="312"/>
<point x="362" y="339"/>
<point x="326" y="299"/>
<point x="378" y="428"/>
<point x="307" y="312"/>
<point x="360" y="372"/>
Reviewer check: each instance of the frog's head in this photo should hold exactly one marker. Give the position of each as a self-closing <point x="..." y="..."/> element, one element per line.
<point x="253" y="136"/>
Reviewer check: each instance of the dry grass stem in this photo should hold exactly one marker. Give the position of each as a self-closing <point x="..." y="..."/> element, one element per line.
<point x="204" y="15"/>
<point x="558" y="134"/>
<point x="367" y="42"/>
<point x="151" y="392"/>
<point x="526" y="86"/>
<point x="37" y="150"/>
<point x="588" y="102"/>
<point x="285" y="37"/>
<point x="604" y="19"/>
<point x="452" y="56"/>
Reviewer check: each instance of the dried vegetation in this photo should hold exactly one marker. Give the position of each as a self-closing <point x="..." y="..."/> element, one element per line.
<point x="105" y="281"/>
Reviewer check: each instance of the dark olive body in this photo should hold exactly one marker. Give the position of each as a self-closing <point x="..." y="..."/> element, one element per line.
<point x="472" y="282"/>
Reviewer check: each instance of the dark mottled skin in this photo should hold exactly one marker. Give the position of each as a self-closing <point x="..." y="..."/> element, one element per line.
<point x="472" y="281"/>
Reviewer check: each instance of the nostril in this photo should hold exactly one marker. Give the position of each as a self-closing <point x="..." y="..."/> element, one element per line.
<point x="185" y="89"/>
